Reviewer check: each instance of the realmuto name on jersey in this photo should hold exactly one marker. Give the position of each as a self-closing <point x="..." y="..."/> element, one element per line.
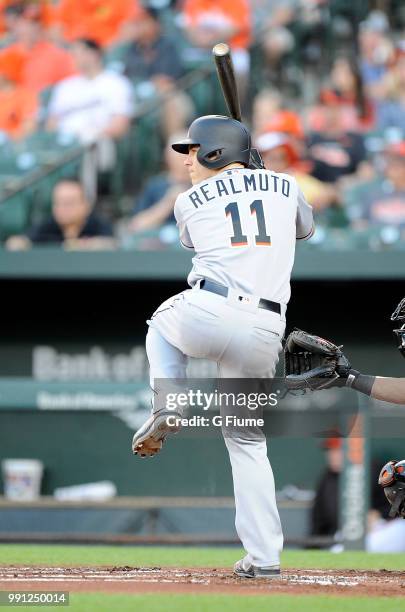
<point x="226" y="186"/>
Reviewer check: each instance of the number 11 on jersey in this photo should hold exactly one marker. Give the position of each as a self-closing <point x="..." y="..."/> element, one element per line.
<point x="241" y="239"/>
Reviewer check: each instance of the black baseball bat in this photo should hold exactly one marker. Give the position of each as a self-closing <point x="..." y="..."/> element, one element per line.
<point x="226" y="76"/>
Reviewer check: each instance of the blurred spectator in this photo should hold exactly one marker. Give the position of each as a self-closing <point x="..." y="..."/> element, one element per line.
<point x="293" y="34"/>
<point x="325" y="511"/>
<point x="154" y="65"/>
<point x="72" y="223"/>
<point x="272" y="21"/>
<point x="4" y="4"/>
<point x="347" y="87"/>
<point x="100" y="20"/>
<point x="269" y="12"/>
<point x="376" y="49"/>
<point x="384" y="203"/>
<point x="9" y="12"/>
<point x="289" y="123"/>
<point x="154" y="206"/>
<point x="11" y="9"/>
<point x="390" y="96"/>
<point x="44" y="63"/>
<point x="334" y="149"/>
<point x="265" y="105"/>
<point x="152" y="55"/>
<point x="207" y="22"/>
<point x="95" y="105"/>
<point x="212" y="21"/>
<point x="282" y="144"/>
<point x="281" y="155"/>
<point x="18" y="106"/>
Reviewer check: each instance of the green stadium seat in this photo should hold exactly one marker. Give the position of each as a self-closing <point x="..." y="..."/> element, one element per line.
<point x="148" y="145"/>
<point x="14" y="216"/>
<point x="18" y="164"/>
<point x="115" y="57"/>
<point x="45" y="96"/>
<point x="49" y="145"/>
<point x="201" y="93"/>
<point x="354" y="195"/>
<point x="336" y="217"/>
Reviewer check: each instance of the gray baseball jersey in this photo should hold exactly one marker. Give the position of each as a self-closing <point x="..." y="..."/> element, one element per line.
<point x="243" y="225"/>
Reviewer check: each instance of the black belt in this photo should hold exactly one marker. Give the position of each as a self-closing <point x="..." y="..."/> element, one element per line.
<point x="214" y="287"/>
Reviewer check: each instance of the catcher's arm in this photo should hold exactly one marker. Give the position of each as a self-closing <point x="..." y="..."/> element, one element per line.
<point x="389" y="389"/>
<point x="314" y="363"/>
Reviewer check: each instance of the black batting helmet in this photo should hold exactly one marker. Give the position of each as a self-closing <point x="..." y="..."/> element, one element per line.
<point x="222" y="141"/>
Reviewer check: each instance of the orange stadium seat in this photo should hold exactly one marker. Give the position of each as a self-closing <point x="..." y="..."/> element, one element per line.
<point x="236" y="11"/>
<point x="100" y="20"/>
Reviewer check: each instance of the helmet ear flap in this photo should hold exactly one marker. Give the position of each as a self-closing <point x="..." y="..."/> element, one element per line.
<point x="202" y="157"/>
<point x="215" y="155"/>
<point x="387" y="474"/>
<point x="211" y="159"/>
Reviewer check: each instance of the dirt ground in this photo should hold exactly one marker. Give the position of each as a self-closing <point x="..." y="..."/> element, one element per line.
<point x="201" y="580"/>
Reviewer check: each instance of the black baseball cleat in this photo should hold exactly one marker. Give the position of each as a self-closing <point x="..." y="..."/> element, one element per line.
<point x="148" y="440"/>
<point x="247" y="570"/>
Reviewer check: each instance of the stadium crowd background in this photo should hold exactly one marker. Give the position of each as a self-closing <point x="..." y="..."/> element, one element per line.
<point x="322" y="84"/>
<point x="92" y="92"/>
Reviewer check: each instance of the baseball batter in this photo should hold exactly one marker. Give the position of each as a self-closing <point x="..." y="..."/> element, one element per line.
<point x="242" y="223"/>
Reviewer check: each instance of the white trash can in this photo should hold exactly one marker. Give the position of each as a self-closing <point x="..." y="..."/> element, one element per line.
<point x="22" y="478"/>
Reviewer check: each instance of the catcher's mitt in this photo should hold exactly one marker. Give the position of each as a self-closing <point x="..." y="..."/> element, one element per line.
<point x="392" y="479"/>
<point x="313" y="363"/>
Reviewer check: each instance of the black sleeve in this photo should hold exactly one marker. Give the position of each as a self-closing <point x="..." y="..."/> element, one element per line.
<point x="170" y="62"/>
<point x="144" y="201"/>
<point x="45" y="232"/>
<point x="134" y="66"/>
<point x="101" y="227"/>
<point x="153" y="191"/>
<point x="358" y="150"/>
<point x="325" y="511"/>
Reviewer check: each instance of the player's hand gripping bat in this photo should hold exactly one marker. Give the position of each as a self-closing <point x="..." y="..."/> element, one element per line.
<point x="226" y="76"/>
